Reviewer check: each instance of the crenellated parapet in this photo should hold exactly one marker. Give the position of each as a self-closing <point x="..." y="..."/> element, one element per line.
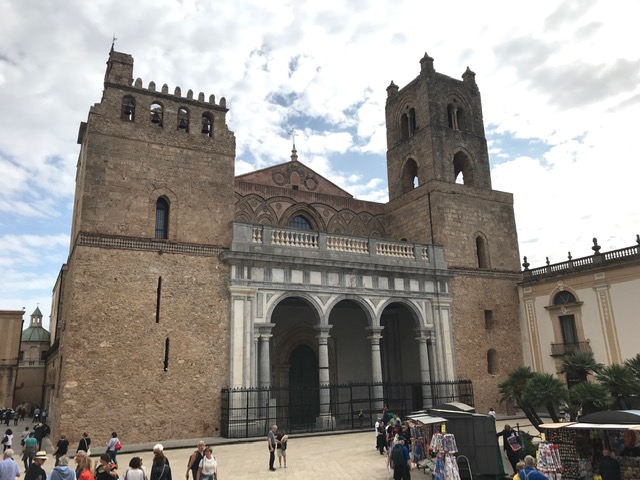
<point x="132" y="109"/>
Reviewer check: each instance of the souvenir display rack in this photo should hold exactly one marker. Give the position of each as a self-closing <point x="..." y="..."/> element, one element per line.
<point x="565" y="441"/>
<point x="444" y="446"/>
<point x="549" y="461"/>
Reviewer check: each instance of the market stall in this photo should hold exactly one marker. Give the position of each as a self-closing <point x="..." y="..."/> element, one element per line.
<point x="580" y="444"/>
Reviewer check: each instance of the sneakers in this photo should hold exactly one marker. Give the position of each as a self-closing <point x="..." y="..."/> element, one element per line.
<point x="272" y="469"/>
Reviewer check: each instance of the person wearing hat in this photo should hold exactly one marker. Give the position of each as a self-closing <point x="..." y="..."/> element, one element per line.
<point x="9" y="469"/>
<point x="35" y="470"/>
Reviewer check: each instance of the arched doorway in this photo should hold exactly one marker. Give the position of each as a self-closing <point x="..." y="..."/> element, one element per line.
<point x="400" y="356"/>
<point x="304" y="403"/>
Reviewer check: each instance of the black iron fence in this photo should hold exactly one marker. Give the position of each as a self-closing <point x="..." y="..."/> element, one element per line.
<point x="250" y="412"/>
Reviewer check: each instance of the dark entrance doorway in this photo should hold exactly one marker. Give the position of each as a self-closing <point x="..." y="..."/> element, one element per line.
<point x="304" y="401"/>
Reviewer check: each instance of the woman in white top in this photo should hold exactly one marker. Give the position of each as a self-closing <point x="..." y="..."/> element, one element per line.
<point x="208" y="468"/>
<point x="135" y="470"/>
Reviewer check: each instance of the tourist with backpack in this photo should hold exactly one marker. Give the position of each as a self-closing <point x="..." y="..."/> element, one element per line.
<point x="399" y="457"/>
<point x="113" y="447"/>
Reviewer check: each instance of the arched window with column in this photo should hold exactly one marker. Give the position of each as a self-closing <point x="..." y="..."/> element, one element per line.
<point x="162" y="218"/>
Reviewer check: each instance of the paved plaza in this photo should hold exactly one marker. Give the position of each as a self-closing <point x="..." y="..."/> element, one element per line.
<point x="337" y="455"/>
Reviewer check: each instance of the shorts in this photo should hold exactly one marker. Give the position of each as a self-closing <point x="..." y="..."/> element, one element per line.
<point x="281" y="453"/>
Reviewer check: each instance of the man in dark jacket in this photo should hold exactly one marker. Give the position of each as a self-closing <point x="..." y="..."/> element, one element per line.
<point x="608" y="468"/>
<point x="35" y="470"/>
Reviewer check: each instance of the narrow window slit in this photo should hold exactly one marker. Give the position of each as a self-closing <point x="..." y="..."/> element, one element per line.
<point x="158" y="295"/>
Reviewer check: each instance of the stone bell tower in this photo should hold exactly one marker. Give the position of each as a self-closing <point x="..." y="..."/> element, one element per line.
<point x="144" y="299"/>
<point x="440" y="192"/>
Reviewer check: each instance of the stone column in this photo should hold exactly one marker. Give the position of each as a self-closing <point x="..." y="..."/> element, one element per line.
<point x="425" y="372"/>
<point x="264" y="366"/>
<point x="376" y="366"/>
<point x="323" y="368"/>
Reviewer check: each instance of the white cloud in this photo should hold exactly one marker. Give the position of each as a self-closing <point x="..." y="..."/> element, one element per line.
<point x="565" y="78"/>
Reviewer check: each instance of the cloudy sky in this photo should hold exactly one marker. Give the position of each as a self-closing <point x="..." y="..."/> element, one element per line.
<point x="559" y="83"/>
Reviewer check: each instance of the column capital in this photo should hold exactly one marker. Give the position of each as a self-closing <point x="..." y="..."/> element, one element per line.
<point x="264" y="329"/>
<point x="424" y="334"/>
<point x="322" y="331"/>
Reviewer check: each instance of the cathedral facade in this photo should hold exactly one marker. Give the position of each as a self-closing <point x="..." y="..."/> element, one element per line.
<point x="183" y="279"/>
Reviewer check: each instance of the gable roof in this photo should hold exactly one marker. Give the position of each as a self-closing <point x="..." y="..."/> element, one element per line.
<point x="294" y="175"/>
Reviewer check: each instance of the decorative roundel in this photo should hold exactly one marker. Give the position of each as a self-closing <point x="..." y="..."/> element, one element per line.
<point x="310" y="183"/>
<point x="279" y="178"/>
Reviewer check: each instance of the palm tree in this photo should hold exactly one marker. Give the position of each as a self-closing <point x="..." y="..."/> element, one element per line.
<point x="512" y="390"/>
<point x="634" y="365"/>
<point x="545" y="390"/>
<point x="620" y="380"/>
<point x="589" y="397"/>
<point x="578" y="366"/>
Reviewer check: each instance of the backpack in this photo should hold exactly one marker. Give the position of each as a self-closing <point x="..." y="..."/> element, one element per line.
<point x="397" y="457"/>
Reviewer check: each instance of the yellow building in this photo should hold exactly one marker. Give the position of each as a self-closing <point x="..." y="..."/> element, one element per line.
<point x="588" y="304"/>
<point x="10" y="326"/>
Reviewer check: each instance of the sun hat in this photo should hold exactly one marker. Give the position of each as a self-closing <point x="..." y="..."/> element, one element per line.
<point x="42" y="455"/>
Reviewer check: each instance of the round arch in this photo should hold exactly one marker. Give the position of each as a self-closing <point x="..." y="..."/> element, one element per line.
<point x="415" y="313"/>
<point x="313" y="303"/>
<point x="368" y="309"/>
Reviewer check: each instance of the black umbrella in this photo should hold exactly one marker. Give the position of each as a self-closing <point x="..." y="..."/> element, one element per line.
<point x="629" y="417"/>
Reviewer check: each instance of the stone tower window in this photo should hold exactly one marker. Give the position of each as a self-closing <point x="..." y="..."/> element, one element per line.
<point x="183" y="119"/>
<point x="300" y="222"/>
<point x="409" y="176"/>
<point x="456" y="116"/>
<point x="408" y="124"/>
<point x="128" y="111"/>
<point x="207" y="124"/>
<point x="481" y="252"/>
<point x="162" y="218"/>
<point x="156" y="114"/>
<point x="462" y="169"/>
<point x="492" y="362"/>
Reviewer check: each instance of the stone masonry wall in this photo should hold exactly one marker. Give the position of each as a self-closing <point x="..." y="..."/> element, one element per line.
<point x="472" y="294"/>
<point x="113" y="376"/>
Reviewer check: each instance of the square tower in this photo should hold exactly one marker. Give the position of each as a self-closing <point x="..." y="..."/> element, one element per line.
<point x="440" y="192"/>
<point x="145" y="297"/>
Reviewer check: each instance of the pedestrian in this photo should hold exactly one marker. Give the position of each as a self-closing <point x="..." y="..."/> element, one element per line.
<point x="62" y="470"/>
<point x="159" y="448"/>
<point x="271" y="441"/>
<point x="36" y="415"/>
<point x="160" y="469"/>
<point x="113" y="446"/>
<point x="43" y="416"/>
<point x="519" y="468"/>
<point x="35" y="470"/>
<point x="492" y="413"/>
<point x="85" y="444"/>
<point x="9" y="469"/>
<point x="135" y="471"/>
<point x="106" y="469"/>
<point x="529" y="472"/>
<point x="381" y="438"/>
<point x="39" y="431"/>
<point x="194" y="460"/>
<point x="83" y="470"/>
<point x="208" y="467"/>
<point x="510" y="445"/>
<point x="361" y="418"/>
<point x="608" y="467"/>
<point x="15" y="416"/>
<point x="400" y="459"/>
<point x="7" y="440"/>
<point x="281" y="444"/>
<point x="29" y="450"/>
<point x="62" y="447"/>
